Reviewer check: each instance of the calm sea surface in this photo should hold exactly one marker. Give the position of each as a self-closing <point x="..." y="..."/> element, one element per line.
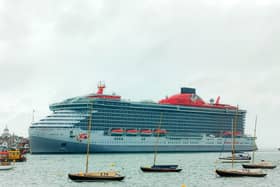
<point x="198" y="170"/>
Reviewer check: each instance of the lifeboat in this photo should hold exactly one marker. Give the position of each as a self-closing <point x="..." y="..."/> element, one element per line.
<point x="229" y="134"/>
<point x="131" y="132"/>
<point x="146" y="132"/>
<point x="83" y="136"/>
<point x="160" y="132"/>
<point x="117" y="132"/>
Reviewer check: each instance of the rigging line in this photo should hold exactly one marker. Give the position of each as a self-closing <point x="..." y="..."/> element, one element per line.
<point x="234" y="127"/>
<point x="253" y="156"/>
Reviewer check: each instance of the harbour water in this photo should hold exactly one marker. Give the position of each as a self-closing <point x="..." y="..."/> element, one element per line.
<point x="198" y="170"/>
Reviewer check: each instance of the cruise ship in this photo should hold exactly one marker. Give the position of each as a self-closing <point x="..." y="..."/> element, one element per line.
<point x="179" y="123"/>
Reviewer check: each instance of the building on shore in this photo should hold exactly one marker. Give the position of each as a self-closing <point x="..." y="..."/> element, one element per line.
<point x="11" y="141"/>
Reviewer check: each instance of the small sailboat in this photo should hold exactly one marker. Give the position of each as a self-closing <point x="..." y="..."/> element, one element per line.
<point x="238" y="172"/>
<point x="260" y="165"/>
<point x="94" y="176"/>
<point x="160" y="168"/>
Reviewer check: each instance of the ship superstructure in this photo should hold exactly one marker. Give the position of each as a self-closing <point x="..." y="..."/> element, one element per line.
<point x="188" y="124"/>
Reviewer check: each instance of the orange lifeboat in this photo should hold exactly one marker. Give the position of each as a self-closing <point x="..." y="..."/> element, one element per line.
<point x="160" y="132"/>
<point x="132" y="132"/>
<point x="83" y="136"/>
<point x="117" y="132"/>
<point x="146" y="132"/>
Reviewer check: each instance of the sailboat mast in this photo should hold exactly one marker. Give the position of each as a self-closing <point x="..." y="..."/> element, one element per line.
<point x="156" y="144"/>
<point x="253" y="157"/>
<point x="88" y="136"/>
<point x="234" y="127"/>
<point x="232" y="143"/>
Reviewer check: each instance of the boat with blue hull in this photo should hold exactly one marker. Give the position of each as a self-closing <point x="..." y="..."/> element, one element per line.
<point x="189" y="125"/>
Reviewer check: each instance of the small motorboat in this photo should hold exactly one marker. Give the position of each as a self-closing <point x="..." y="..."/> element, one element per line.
<point x="5" y="165"/>
<point x="261" y="165"/>
<point x="96" y="176"/>
<point x="161" y="168"/>
<point x="240" y="173"/>
<point x="8" y="167"/>
<point x="237" y="157"/>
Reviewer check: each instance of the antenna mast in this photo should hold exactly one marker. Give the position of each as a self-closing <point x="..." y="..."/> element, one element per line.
<point x="100" y="86"/>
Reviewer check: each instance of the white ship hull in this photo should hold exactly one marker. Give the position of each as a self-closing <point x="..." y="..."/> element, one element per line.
<point x="68" y="140"/>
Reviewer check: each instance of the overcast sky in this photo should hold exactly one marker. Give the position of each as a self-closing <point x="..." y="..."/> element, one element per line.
<point x="143" y="50"/>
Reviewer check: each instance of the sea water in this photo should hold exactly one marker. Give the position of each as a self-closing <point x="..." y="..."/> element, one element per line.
<point x="198" y="170"/>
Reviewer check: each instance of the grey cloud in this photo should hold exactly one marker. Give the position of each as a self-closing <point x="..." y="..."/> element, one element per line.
<point x="14" y="76"/>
